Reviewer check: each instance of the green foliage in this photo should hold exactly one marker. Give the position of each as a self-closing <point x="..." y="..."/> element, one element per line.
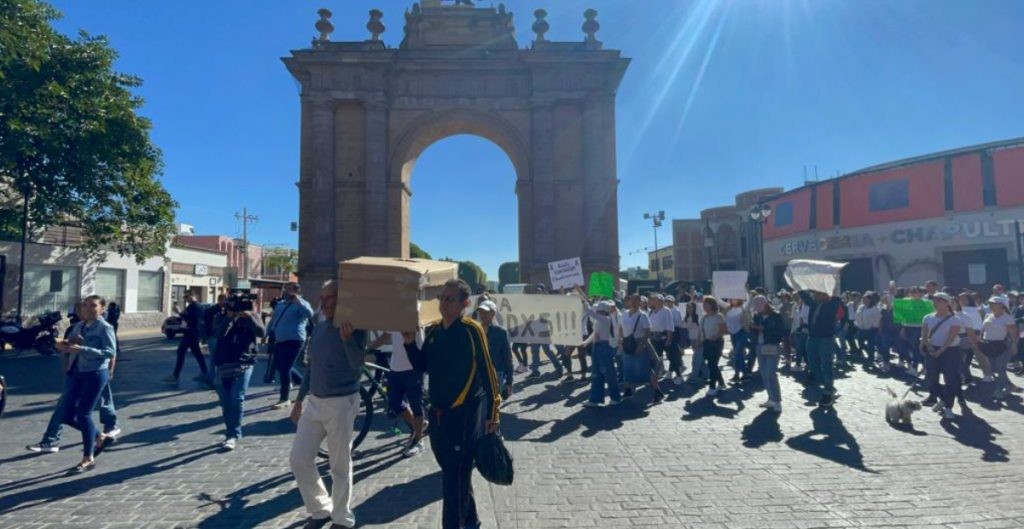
<point x="280" y="261"/>
<point x="70" y="137"/>
<point x="418" y="253"/>
<point x="471" y="273"/>
<point x="508" y="273"/>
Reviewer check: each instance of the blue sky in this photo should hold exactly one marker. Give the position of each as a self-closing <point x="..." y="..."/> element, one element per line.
<point x="721" y="97"/>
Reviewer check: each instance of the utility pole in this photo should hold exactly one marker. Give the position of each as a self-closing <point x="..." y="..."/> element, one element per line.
<point x="26" y="193"/>
<point x="246" y="218"/>
<point x="656" y="220"/>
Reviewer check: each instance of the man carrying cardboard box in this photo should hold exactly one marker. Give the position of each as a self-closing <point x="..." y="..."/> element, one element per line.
<point x="464" y="399"/>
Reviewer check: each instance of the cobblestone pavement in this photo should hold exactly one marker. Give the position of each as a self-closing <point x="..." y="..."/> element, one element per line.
<point x="686" y="463"/>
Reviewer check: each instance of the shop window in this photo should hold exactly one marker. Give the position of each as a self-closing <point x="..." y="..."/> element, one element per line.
<point x="888" y="195"/>
<point x="110" y="285"/>
<point x="50" y="288"/>
<point x="783" y="214"/>
<point x="151" y="291"/>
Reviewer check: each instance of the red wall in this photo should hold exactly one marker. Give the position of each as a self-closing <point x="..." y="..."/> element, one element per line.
<point x="1009" y="169"/>
<point x="801" y="200"/>
<point x="926" y="195"/>
<point x="967" y="188"/>
<point x="825" y="205"/>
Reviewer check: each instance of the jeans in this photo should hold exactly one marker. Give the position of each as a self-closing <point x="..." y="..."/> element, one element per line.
<point x="83" y="393"/>
<point x="820" y="355"/>
<point x="739" y="345"/>
<point x="868" y="338"/>
<point x="910" y="346"/>
<point x="602" y="373"/>
<point x="948" y="365"/>
<point x="800" y="346"/>
<point x="189" y="341"/>
<point x="232" y="401"/>
<point x="674" y="351"/>
<point x="519" y="350"/>
<point x="712" y="354"/>
<point x="883" y="346"/>
<point x="999" y="370"/>
<point x="453" y="437"/>
<point x="700" y="367"/>
<point x="535" y="358"/>
<point x="108" y="414"/>
<point x="770" y="374"/>
<point x="565" y="355"/>
<point x="285" y="354"/>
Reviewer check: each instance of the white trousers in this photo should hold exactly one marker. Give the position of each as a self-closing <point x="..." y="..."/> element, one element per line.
<point x="333" y="418"/>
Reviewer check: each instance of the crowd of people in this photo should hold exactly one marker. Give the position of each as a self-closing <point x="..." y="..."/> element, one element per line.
<point x="630" y="342"/>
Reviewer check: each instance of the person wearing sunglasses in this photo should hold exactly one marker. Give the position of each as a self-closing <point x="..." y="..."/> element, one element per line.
<point x="464" y="399"/>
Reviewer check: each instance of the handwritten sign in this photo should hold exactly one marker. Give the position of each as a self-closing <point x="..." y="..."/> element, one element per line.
<point x="602" y="284"/>
<point x="567" y="273"/>
<point x="729" y="284"/>
<point x="911" y="311"/>
<point x="540" y="318"/>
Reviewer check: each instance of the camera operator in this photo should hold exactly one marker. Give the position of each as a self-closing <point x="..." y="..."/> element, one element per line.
<point x="233" y="359"/>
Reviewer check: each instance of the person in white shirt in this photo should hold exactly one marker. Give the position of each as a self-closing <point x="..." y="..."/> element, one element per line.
<point x="604" y="318"/>
<point x="712" y="332"/>
<point x="867" y="319"/>
<point x="975" y="321"/>
<point x="662" y="328"/>
<point x="679" y="341"/>
<point x="737" y="322"/>
<point x="998" y="341"/>
<point x="637" y="365"/>
<point x="798" y="333"/>
<point x="940" y="340"/>
<point x="405" y="388"/>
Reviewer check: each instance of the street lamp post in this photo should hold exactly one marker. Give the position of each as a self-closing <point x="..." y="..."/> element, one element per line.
<point x="656" y="220"/>
<point x="759" y="215"/>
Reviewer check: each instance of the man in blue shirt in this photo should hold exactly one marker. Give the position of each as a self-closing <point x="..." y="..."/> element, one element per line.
<point x="287" y="331"/>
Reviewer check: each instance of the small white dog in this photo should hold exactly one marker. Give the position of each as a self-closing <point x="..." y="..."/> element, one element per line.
<point x="899" y="409"/>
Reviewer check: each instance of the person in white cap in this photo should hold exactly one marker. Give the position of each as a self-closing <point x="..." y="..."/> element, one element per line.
<point x="602" y="362"/>
<point x="940" y="332"/>
<point x="998" y="338"/>
<point x="499" y="345"/>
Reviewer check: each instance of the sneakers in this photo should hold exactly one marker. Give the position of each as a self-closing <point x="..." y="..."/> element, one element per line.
<point x="113" y="433"/>
<point x="947" y="413"/>
<point x="911" y="372"/>
<point x="282" y="404"/>
<point x="658" y="397"/>
<point x="930" y="401"/>
<point x="44" y="448"/>
<point x="988" y="378"/>
<point x="414" y="449"/>
<point x="766" y="404"/>
<point x="169" y="379"/>
<point x="777" y="407"/>
<point x="521" y="368"/>
<point x="314" y="523"/>
<point x="616" y="402"/>
<point x="533" y="375"/>
<point x="937" y="407"/>
<point x="798" y="368"/>
<point x="712" y="392"/>
<point x="677" y="380"/>
<point x="589" y="404"/>
<point x="229" y="443"/>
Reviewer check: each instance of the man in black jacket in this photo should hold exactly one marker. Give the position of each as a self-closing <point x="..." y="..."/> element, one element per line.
<point x="192" y="317"/>
<point x="233" y="356"/>
<point x="464" y="399"/>
<point x="823" y="320"/>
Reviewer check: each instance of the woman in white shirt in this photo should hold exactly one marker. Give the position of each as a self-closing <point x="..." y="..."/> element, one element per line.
<point x="737" y="322"/>
<point x="867" y="320"/>
<point x="940" y="338"/>
<point x="998" y="339"/>
<point x="713" y="330"/>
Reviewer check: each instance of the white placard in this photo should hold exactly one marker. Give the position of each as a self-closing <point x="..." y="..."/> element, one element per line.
<point x="540" y="318"/>
<point x="567" y="273"/>
<point x="729" y="284"/>
<point x="976" y="273"/>
<point x="819" y="276"/>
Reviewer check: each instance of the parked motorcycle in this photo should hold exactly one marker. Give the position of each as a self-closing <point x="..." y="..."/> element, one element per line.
<point x="42" y="335"/>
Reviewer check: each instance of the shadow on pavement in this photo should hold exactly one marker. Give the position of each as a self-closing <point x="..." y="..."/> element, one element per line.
<point x="396" y="501"/>
<point x="707" y="406"/>
<point x="762" y="430"/>
<point x="975" y="432"/>
<point x="829" y="439"/>
<point x="236" y="511"/>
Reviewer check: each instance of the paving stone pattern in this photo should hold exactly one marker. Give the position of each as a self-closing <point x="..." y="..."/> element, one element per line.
<point x="686" y="463"/>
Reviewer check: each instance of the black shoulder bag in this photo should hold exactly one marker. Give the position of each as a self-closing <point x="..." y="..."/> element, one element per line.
<point x="630" y="343"/>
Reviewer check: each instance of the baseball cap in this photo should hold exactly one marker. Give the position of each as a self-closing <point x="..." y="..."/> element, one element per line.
<point x="489" y="306"/>
<point x="944" y="297"/>
<point x="670" y="298"/>
<point x="1002" y="300"/>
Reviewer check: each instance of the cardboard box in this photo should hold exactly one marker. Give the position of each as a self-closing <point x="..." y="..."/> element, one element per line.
<point x="391" y="294"/>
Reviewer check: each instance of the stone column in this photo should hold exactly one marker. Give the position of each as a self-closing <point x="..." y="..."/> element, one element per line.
<point x="316" y="194"/>
<point x="601" y="246"/>
<point x="539" y="197"/>
<point x="376" y="206"/>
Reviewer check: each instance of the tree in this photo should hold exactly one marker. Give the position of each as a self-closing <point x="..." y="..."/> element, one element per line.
<point x="471" y="273"/>
<point x="280" y="261"/>
<point x="417" y="253"/>
<point x="71" y="140"/>
<point x="508" y="273"/>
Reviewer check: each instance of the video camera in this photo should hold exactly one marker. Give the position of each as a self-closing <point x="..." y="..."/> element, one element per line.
<point x="240" y="301"/>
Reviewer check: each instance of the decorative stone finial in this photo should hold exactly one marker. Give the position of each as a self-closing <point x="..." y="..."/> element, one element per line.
<point x="324" y="25"/>
<point x="590" y="26"/>
<point x="375" y="26"/>
<point x="540" y="26"/>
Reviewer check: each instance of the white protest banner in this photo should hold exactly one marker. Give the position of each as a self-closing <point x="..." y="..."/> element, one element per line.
<point x="540" y="318"/>
<point x="729" y="284"/>
<point x="819" y="276"/>
<point x="567" y="273"/>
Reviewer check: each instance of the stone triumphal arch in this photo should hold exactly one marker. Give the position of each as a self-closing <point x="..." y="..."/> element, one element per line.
<point x="369" y="110"/>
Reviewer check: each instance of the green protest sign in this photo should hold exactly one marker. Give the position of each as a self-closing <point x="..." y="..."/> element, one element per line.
<point x="602" y="284"/>
<point x="910" y="311"/>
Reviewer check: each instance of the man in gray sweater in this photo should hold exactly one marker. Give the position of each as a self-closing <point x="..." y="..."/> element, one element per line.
<point x="326" y="407"/>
